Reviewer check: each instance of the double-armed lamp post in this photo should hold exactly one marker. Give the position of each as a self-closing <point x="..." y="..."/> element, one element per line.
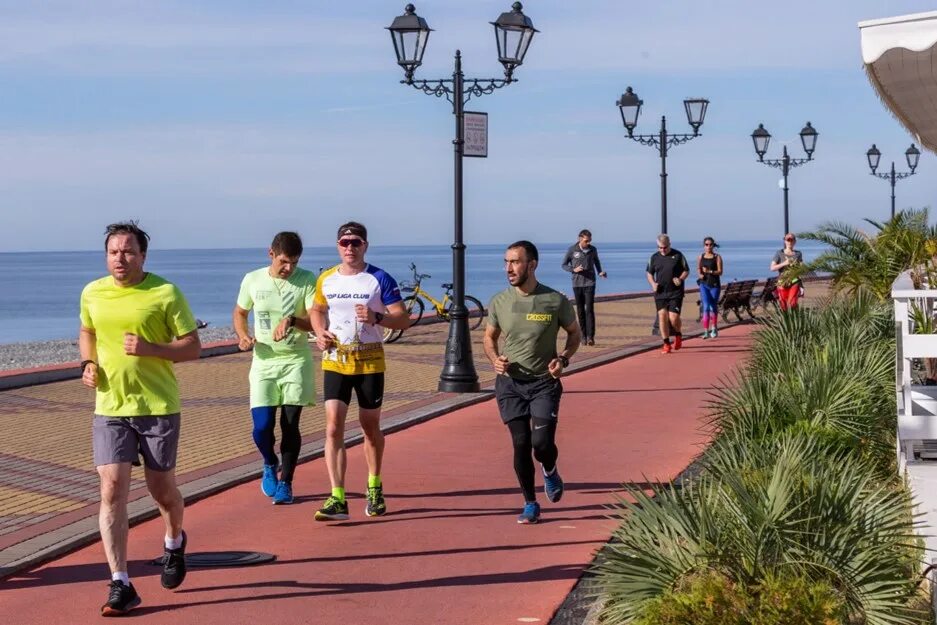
<point x="912" y="155"/>
<point x="808" y="138"/>
<point x="513" y="34"/>
<point x="630" y="106"/>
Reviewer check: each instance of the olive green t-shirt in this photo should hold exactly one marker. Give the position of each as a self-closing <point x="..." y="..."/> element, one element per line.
<point x="156" y="311"/>
<point x="530" y="324"/>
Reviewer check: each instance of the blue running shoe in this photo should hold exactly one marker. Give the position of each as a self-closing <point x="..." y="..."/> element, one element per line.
<point x="531" y="513"/>
<point x="553" y="485"/>
<point x="284" y="494"/>
<point x="268" y="483"/>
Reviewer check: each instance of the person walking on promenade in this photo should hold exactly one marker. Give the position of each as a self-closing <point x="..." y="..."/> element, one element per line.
<point x="784" y="262"/>
<point x="281" y="374"/>
<point x="582" y="260"/>
<point x="354" y="301"/>
<point x="709" y="268"/>
<point x="667" y="271"/>
<point x="528" y="389"/>
<point x="134" y="325"/>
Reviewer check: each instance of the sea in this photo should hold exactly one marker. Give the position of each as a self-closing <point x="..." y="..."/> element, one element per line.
<point x="41" y="289"/>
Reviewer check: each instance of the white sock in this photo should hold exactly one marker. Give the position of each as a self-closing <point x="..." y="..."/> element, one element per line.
<point x="122" y="577"/>
<point x="173" y="543"/>
<point x="545" y="472"/>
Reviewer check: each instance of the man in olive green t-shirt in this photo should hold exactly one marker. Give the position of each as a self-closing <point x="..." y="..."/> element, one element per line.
<point x="134" y="325"/>
<point x="528" y="388"/>
<point x="281" y="374"/>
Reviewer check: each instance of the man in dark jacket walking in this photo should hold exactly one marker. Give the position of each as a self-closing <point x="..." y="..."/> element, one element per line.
<point x="582" y="260"/>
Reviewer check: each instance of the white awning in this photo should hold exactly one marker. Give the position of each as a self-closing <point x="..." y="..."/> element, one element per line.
<point x="900" y="56"/>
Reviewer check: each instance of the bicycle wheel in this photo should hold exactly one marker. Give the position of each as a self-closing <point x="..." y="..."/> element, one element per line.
<point x="414" y="307"/>
<point x="476" y="312"/>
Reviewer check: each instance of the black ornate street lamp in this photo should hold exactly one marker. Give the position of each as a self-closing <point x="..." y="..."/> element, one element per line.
<point x="912" y="155"/>
<point x="513" y="34"/>
<point x="808" y="138"/>
<point x="630" y="106"/>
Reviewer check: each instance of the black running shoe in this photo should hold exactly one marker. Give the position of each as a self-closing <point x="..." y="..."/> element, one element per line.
<point x="333" y="510"/>
<point x="120" y="599"/>
<point x="375" y="505"/>
<point x="174" y="565"/>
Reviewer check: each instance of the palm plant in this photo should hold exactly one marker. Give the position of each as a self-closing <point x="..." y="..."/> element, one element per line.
<point x="789" y="508"/>
<point x="860" y="260"/>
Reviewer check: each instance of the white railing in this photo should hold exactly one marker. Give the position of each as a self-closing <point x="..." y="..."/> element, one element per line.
<point x="917" y="403"/>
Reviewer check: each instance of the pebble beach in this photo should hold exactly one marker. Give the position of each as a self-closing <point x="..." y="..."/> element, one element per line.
<point x="44" y="353"/>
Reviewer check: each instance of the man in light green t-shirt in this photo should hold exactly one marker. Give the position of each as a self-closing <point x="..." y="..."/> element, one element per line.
<point x="134" y="325"/>
<point x="281" y="376"/>
<point x="529" y="315"/>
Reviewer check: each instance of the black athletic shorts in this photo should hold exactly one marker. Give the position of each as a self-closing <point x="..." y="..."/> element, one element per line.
<point x="672" y="302"/>
<point x="518" y="399"/>
<point x="369" y="388"/>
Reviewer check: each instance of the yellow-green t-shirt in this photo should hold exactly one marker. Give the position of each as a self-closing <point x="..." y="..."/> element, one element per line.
<point x="156" y="311"/>
<point x="273" y="299"/>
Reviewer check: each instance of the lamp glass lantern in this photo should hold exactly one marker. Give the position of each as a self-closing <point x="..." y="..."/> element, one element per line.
<point x="761" y="138"/>
<point x="808" y="137"/>
<point x="695" y="112"/>
<point x="913" y="155"/>
<point x="874" y="155"/>
<point x="410" y="33"/>
<point x="630" y="106"/>
<point x="513" y="33"/>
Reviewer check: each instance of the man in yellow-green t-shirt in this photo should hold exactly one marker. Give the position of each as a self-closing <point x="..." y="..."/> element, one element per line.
<point x="134" y="325"/>
<point x="281" y="375"/>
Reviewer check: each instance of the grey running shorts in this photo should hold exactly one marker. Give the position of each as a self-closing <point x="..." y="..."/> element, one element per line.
<point x="519" y="399"/>
<point x="125" y="439"/>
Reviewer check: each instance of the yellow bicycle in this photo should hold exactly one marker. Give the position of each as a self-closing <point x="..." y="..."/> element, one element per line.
<point x="415" y="306"/>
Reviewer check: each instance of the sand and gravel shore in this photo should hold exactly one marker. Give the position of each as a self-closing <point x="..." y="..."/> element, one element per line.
<point x="43" y="353"/>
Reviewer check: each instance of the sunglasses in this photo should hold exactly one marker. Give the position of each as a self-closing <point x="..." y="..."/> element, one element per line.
<point x="350" y="242"/>
<point x="788" y="239"/>
<point x="707" y="244"/>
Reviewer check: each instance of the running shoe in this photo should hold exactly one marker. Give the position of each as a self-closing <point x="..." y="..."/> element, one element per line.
<point x="705" y="333"/>
<point x="677" y="342"/>
<point x="553" y="485"/>
<point x="332" y="510"/>
<point x="713" y="333"/>
<point x="375" y="505"/>
<point x="666" y="348"/>
<point x="590" y="341"/>
<point x="284" y="494"/>
<point x="530" y="515"/>
<point x="268" y="483"/>
<point x="121" y="598"/>
<point x="174" y="565"/>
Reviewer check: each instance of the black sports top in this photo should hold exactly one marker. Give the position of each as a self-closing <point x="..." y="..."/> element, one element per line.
<point x="711" y="264"/>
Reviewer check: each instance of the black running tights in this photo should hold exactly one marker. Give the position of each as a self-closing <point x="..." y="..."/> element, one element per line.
<point x="541" y="440"/>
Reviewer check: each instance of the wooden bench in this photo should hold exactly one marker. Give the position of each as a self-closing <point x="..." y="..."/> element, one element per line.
<point x="768" y="296"/>
<point x="736" y="298"/>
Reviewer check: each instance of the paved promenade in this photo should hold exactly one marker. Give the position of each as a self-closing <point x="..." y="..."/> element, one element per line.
<point x="449" y="551"/>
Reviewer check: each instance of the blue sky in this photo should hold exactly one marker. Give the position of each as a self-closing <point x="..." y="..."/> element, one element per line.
<point x="218" y="123"/>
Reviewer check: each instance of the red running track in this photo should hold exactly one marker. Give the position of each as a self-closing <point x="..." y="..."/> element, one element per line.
<point x="449" y="550"/>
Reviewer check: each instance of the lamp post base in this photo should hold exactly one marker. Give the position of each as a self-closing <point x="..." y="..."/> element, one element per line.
<point x="458" y="373"/>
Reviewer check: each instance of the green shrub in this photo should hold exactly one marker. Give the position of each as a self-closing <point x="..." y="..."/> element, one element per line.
<point x="710" y="598"/>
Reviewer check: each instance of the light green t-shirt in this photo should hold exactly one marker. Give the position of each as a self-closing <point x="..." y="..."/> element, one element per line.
<point x="530" y="324"/>
<point x="156" y="311"/>
<point x="273" y="299"/>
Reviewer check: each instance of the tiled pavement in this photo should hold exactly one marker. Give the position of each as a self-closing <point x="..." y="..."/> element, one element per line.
<point x="48" y="488"/>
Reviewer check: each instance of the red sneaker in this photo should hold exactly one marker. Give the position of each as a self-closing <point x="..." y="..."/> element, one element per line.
<point x="666" y="348"/>
<point x="677" y="342"/>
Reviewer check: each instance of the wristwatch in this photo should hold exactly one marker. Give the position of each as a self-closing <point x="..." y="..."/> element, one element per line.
<point x="84" y="364"/>
<point x="292" y="319"/>
<point x="563" y="359"/>
<point x="378" y="318"/>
